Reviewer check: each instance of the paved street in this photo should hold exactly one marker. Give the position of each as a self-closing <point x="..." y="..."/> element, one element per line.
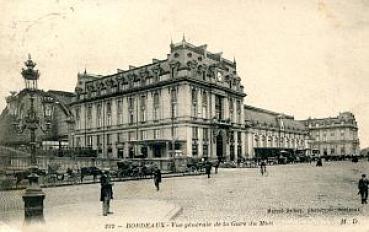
<point x="231" y="195"/>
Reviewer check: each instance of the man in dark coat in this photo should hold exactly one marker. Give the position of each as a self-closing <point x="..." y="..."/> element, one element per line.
<point x="263" y="167"/>
<point x="208" y="168"/>
<point x="157" y="178"/>
<point x="106" y="194"/>
<point x="363" y="189"/>
<point x="319" y="163"/>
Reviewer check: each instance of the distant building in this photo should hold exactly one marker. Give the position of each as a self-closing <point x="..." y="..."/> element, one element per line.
<point x="190" y="103"/>
<point x="54" y="115"/>
<point x="334" y="136"/>
<point x="269" y="133"/>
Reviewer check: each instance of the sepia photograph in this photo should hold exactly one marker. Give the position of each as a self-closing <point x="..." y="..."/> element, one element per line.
<point x="184" y="115"/>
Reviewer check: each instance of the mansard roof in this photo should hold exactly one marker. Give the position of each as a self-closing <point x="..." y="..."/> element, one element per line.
<point x="267" y="118"/>
<point x="200" y="65"/>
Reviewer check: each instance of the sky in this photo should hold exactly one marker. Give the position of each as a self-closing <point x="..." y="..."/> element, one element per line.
<point x="303" y="58"/>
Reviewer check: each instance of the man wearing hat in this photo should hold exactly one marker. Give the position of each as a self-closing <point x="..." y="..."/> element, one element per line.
<point x="106" y="191"/>
<point x="363" y="189"/>
<point x="157" y="178"/>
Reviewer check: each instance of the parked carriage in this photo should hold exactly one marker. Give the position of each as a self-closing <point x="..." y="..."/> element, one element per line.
<point x="134" y="169"/>
<point x="90" y="171"/>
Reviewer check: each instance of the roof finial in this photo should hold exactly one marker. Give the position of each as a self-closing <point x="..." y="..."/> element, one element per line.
<point x="85" y="72"/>
<point x="171" y="40"/>
<point x="183" y="38"/>
<point x="234" y="60"/>
<point x="29" y="56"/>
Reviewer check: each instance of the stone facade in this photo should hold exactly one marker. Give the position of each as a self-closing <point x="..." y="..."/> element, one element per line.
<point x="268" y="133"/>
<point x="188" y="104"/>
<point x="334" y="136"/>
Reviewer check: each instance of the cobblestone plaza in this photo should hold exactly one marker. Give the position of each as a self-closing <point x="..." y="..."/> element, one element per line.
<point x="288" y="193"/>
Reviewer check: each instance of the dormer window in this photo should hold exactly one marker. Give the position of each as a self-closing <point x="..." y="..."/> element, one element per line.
<point x="219" y="76"/>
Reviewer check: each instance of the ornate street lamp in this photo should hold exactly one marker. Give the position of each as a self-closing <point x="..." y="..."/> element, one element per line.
<point x="34" y="196"/>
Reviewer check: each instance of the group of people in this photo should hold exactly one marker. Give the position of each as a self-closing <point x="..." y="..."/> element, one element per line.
<point x="106" y="194"/>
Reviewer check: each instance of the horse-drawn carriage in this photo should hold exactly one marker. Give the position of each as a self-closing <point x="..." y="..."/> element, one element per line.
<point x="90" y="171"/>
<point x="22" y="175"/>
<point x="54" y="175"/>
<point x="134" y="169"/>
<point x="195" y="165"/>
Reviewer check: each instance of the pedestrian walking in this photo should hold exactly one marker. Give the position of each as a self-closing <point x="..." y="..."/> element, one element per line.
<point x="319" y="163"/>
<point x="363" y="189"/>
<point x="157" y="178"/>
<point x="208" y="168"/>
<point x="106" y="194"/>
<point x="216" y="166"/>
<point x="263" y="167"/>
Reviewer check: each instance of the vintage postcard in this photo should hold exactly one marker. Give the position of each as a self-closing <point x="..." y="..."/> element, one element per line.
<point x="184" y="115"/>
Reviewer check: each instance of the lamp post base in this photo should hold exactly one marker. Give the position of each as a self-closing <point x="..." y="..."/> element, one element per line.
<point x="33" y="201"/>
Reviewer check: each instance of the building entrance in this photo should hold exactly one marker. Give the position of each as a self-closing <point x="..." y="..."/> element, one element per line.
<point x="219" y="146"/>
<point x="157" y="150"/>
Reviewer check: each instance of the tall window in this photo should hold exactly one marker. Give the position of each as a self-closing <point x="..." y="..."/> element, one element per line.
<point x="238" y="106"/>
<point x="156" y="134"/>
<point x="173" y="101"/>
<point x="109" y="143"/>
<point x="231" y="136"/>
<point x="131" y="105"/>
<point x="156" y="106"/>
<point x="78" y="118"/>
<point x="206" y="134"/>
<point x="143" y="108"/>
<point x="89" y="116"/>
<point x="231" y="109"/>
<point x="99" y="143"/>
<point x="89" y="141"/>
<point x="48" y="110"/>
<point x="131" y="136"/>
<point x="205" y="150"/>
<point x="231" y="152"/>
<point x="108" y="139"/>
<point x="194" y="102"/>
<point x="142" y="135"/>
<point x="98" y="115"/>
<point x="78" y="142"/>
<point x="120" y="137"/>
<point x="204" y="105"/>
<point x="120" y="111"/>
<point x="195" y="133"/>
<point x="173" y="71"/>
<point x="218" y="107"/>
<point x="108" y="113"/>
